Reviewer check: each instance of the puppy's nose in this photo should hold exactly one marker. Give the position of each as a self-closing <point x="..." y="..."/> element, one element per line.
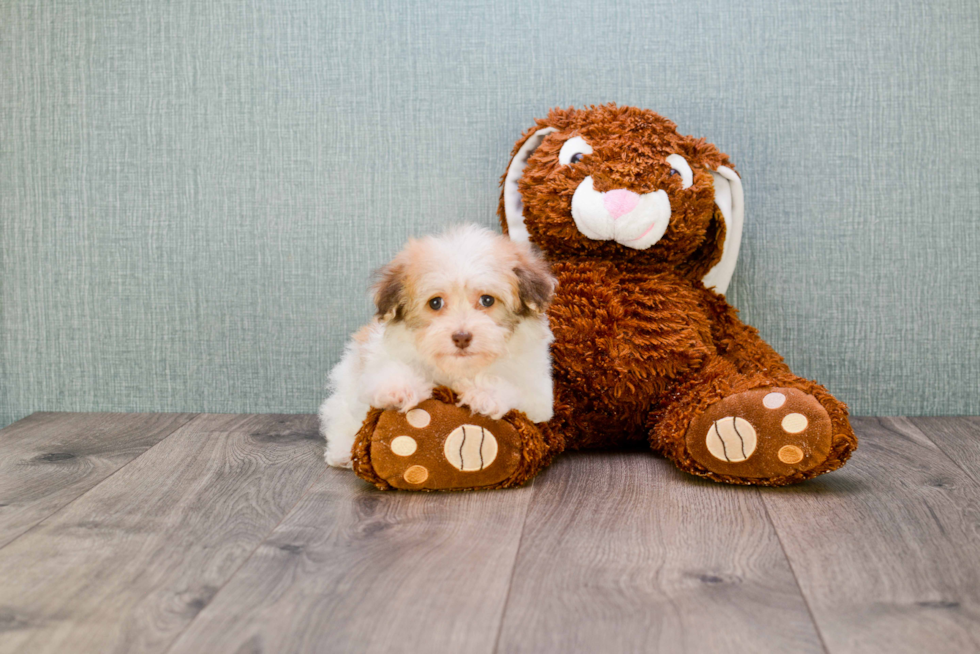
<point x="462" y="339"/>
<point x="620" y="202"/>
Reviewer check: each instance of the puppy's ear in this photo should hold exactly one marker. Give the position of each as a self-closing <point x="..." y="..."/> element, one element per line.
<point x="389" y="291"/>
<point x="535" y="283"/>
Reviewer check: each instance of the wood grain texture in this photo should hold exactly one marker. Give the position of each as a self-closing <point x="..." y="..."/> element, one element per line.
<point x="354" y="569"/>
<point x="887" y="549"/>
<point x="623" y="553"/>
<point x="958" y="437"/>
<point x="229" y="536"/>
<point x="49" y="459"/>
<point x="128" y="565"/>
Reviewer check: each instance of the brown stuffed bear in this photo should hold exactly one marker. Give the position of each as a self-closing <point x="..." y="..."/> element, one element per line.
<point x="642" y="228"/>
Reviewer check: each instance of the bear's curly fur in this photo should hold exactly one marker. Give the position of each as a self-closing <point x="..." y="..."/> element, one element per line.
<point x="641" y="347"/>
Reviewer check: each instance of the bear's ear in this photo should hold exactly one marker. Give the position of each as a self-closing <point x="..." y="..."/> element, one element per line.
<point x="730" y="202"/>
<point x="511" y="206"/>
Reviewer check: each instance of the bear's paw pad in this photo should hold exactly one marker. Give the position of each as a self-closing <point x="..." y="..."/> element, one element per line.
<point x="767" y="432"/>
<point x="440" y="446"/>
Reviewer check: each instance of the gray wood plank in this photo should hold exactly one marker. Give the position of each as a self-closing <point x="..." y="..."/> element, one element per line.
<point x="958" y="437"/>
<point x="887" y="549"/>
<point x="623" y="553"/>
<point x="353" y="569"/>
<point x="129" y="564"/>
<point x="49" y="459"/>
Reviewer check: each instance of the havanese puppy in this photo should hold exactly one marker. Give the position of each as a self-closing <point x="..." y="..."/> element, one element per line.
<point x="464" y="310"/>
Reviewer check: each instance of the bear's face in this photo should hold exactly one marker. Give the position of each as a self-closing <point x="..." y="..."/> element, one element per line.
<point x="619" y="183"/>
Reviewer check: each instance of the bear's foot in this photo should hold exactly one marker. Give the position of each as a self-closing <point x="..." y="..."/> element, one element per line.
<point x="765" y="433"/>
<point x="440" y="446"/>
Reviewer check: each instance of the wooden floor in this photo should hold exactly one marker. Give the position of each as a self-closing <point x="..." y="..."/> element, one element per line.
<point x="224" y="533"/>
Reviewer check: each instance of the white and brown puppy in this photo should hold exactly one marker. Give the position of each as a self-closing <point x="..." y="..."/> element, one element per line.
<point x="464" y="310"/>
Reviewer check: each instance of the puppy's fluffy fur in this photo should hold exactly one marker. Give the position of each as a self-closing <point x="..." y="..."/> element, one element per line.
<point x="434" y="327"/>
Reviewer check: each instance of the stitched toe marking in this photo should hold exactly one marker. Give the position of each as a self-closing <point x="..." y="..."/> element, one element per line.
<point x="774" y="400"/>
<point x="790" y="454"/>
<point x="418" y="418"/>
<point x="731" y="439"/>
<point x="416" y="474"/>
<point x="404" y="445"/>
<point x="470" y="447"/>
<point x="794" y="423"/>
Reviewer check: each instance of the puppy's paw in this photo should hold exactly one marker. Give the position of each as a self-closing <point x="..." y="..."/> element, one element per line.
<point x="401" y="395"/>
<point x="338" y="459"/>
<point x="487" y="400"/>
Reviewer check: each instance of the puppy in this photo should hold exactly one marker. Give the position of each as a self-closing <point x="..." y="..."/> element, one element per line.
<point x="464" y="310"/>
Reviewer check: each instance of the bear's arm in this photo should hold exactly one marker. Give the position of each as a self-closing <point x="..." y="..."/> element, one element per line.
<point x="738" y="342"/>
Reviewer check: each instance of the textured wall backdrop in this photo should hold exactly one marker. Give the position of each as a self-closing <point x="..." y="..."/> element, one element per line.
<point x="192" y="193"/>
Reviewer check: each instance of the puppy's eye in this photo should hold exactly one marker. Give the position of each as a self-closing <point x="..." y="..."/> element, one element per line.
<point x="679" y="166"/>
<point x="436" y="303"/>
<point x="486" y="301"/>
<point x="573" y="150"/>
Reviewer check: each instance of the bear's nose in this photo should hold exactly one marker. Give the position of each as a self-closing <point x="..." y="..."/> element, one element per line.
<point x="462" y="339"/>
<point x="619" y="202"/>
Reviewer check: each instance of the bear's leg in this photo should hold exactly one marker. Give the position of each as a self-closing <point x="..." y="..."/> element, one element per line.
<point x="441" y="446"/>
<point x="764" y="428"/>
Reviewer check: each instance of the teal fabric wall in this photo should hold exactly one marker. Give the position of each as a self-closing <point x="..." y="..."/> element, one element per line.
<point x="192" y="193"/>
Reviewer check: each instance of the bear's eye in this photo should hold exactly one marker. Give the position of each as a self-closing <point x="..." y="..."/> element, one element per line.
<point x="486" y="301"/>
<point x="679" y="166"/>
<point x="573" y="150"/>
<point x="436" y="303"/>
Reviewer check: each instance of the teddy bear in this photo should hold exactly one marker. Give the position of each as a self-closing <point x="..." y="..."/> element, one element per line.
<point x="641" y="226"/>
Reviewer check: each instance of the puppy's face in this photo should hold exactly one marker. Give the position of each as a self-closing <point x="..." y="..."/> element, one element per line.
<point x="462" y="295"/>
